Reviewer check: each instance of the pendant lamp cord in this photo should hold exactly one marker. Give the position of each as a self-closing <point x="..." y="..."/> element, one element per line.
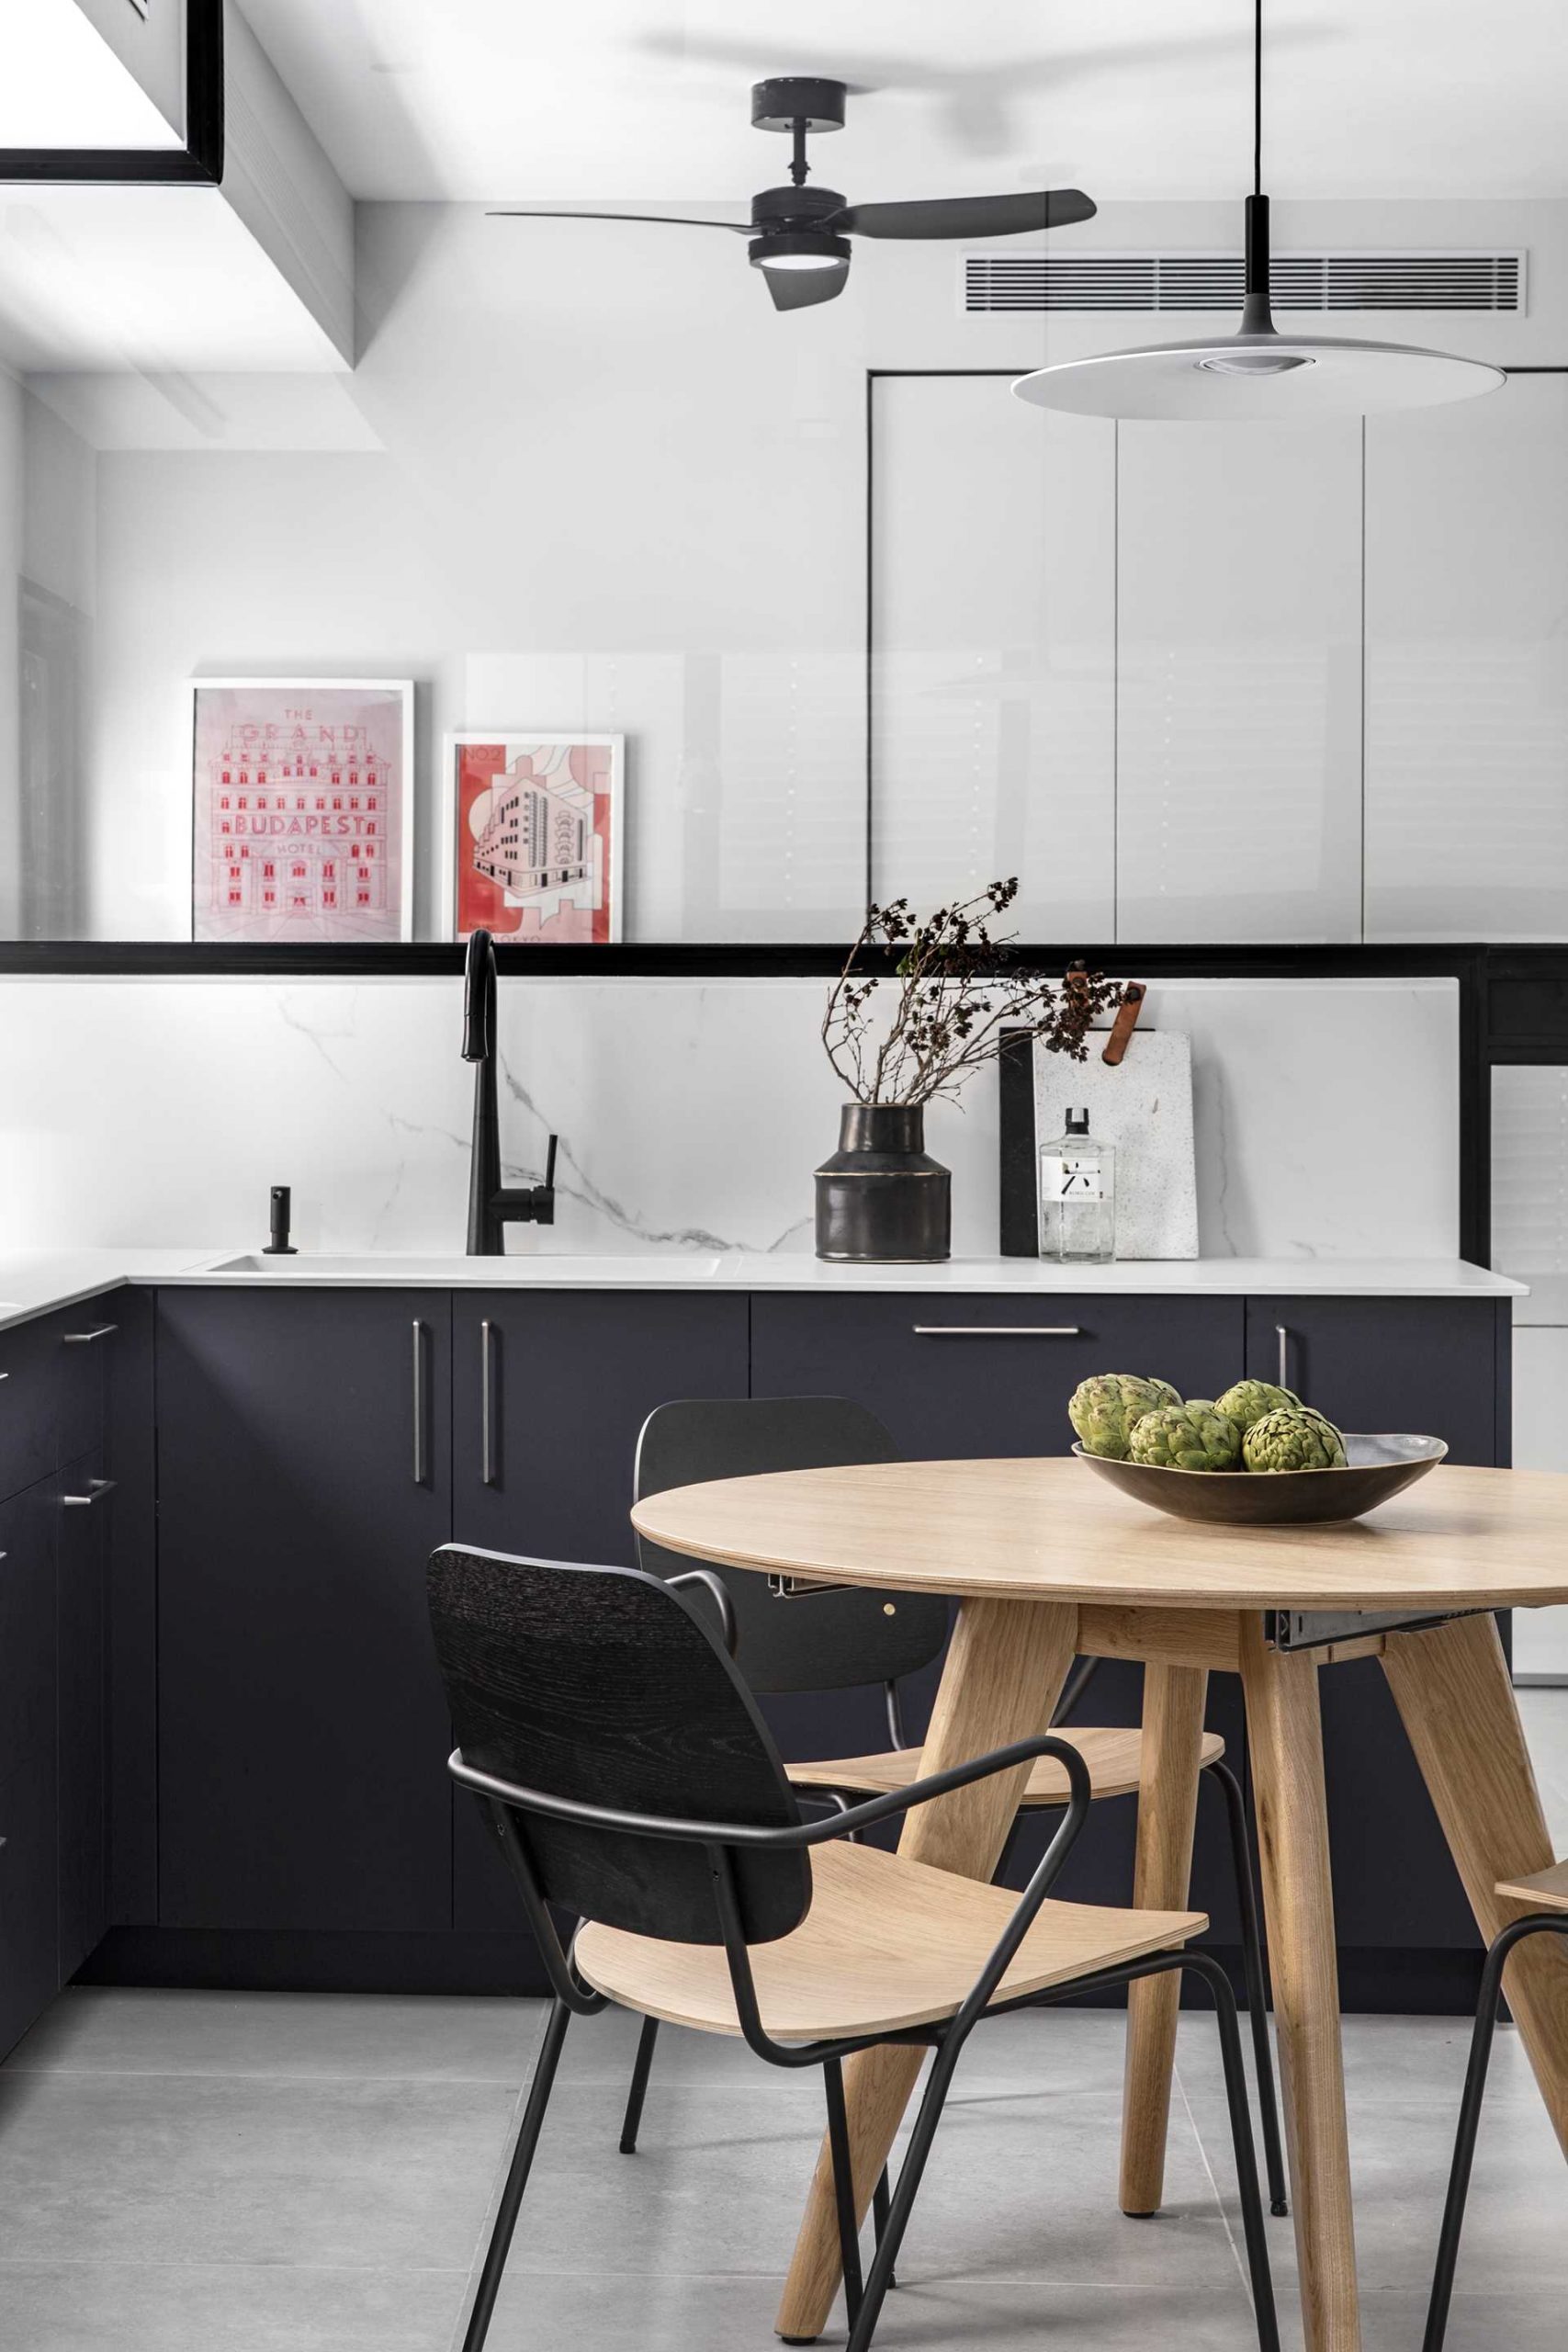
<point x="1258" y="97"/>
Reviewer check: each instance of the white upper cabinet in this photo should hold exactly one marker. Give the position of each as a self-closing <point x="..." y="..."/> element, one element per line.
<point x="1239" y="696"/>
<point x="1467" y="668"/>
<point x="993" y="646"/>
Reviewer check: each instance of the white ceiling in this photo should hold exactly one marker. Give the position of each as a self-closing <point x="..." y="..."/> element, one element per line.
<point x="646" y="100"/>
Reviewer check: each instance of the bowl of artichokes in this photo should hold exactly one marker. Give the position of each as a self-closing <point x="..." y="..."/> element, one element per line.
<point x="1256" y="1456"/>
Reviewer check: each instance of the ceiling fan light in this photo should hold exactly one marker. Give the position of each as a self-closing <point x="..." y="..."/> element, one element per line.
<point x="799" y="249"/>
<point x="1255" y="363"/>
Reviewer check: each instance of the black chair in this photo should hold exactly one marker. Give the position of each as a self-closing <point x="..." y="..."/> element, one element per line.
<point x="837" y="1639"/>
<point x="629" y="1778"/>
<point x="1548" y="1889"/>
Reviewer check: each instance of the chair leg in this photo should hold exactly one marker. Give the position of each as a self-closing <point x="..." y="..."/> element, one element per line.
<point x="638" y="2090"/>
<point x="843" y="2186"/>
<point x="516" y="2179"/>
<point x="1253" y="2228"/>
<point x="1469" y="2124"/>
<point x="881" y="2199"/>
<point x="1257" y="1988"/>
<point x="909" y="2177"/>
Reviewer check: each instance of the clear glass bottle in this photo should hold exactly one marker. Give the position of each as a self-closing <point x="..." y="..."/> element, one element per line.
<point x="1077" y="1197"/>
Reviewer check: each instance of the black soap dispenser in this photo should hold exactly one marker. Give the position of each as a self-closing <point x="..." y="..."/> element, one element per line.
<point x="280" y="1245"/>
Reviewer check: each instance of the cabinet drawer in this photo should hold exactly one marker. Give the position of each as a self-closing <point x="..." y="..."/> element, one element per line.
<point x="54" y="1389"/>
<point x="955" y="1378"/>
<point x="28" y="1633"/>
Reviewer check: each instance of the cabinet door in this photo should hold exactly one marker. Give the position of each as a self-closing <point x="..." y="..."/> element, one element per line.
<point x="571" y="1377"/>
<point x="85" y="1502"/>
<point x="30" y="1870"/>
<point x="1430" y="1364"/>
<point x="303" y="1480"/>
<point x="1238" y="770"/>
<point x="1467" y="668"/>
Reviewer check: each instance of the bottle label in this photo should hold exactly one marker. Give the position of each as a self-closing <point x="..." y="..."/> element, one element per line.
<point x="1062" y="1178"/>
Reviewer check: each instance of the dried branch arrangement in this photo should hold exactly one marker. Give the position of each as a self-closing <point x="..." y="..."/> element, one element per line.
<point x="922" y="1031"/>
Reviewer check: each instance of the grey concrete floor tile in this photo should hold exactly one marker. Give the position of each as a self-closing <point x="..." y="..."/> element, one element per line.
<point x="1020" y="2186"/>
<point x="607" y="2313"/>
<point x="1516" y="2321"/>
<point x="1401" y="2147"/>
<point x="202" y="2307"/>
<point x="172" y="2168"/>
<point x="432" y="2037"/>
<point x="1420" y="2060"/>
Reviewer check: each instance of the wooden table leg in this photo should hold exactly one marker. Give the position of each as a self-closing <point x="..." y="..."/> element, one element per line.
<point x="1285" y="1741"/>
<point x="1456" y="1700"/>
<point x="1167" y="1805"/>
<point x="1005" y="1668"/>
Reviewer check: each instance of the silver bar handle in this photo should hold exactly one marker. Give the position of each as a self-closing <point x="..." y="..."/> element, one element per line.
<point x="96" y="1489"/>
<point x="1282" y="1332"/>
<point x="998" y="1330"/>
<point x="85" y="1339"/>
<point x="418" y="1460"/>
<point x="489" y="1472"/>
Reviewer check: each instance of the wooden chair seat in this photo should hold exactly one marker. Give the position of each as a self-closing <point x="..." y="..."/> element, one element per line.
<point x="886" y="1943"/>
<point x="1114" y="1758"/>
<point x="1544" y="1890"/>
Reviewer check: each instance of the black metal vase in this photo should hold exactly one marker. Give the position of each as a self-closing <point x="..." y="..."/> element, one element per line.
<point x="881" y="1196"/>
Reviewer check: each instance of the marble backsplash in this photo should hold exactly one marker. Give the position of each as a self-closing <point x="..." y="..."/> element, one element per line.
<point x="691" y="1114"/>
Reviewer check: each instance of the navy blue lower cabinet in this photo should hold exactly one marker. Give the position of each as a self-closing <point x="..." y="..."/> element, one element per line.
<point x="970" y="1377"/>
<point x="304" y="1476"/>
<point x="29" y="1859"/>
<point x="549" y="1391"/>
<point x="1439" y="1366"/>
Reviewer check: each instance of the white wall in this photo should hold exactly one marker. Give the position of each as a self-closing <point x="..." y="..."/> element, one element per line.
<point x="690" y="1114"/>
<point x="586" y="475"/>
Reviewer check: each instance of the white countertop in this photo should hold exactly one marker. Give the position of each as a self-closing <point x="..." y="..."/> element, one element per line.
<point x="33" y="1282"/>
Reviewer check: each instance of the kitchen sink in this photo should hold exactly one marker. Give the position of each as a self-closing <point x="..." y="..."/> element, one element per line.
<point x="541" y="1266"/>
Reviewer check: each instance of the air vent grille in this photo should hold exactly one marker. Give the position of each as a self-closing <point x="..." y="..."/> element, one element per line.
<point x="1320" y="282"/>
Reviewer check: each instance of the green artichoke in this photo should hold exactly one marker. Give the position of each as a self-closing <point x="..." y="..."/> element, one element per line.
<point x="1296" y="1438"/>
<point x="1194" y="1436"/>
<point x="1250" y="1399"/>
<point x="1102" y="1409"/>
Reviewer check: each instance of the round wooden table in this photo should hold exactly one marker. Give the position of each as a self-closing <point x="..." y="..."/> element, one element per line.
<point x="1050" y="1562"/>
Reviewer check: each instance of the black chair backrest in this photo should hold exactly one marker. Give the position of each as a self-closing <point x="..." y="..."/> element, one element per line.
<point x="826" y="1641"/>
<point x="603" y="1687"/>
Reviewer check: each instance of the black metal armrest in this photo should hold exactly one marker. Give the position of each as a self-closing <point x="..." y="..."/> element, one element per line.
<point x="719" y="1594"/>
<point x="794" y="1834"/>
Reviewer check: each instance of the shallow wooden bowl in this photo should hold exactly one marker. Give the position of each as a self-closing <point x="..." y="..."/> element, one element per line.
<point x="1376" y="1468"/>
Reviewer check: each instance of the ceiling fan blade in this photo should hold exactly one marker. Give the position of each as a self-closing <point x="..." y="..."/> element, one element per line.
<point x="965" y="216"/>
<point x="796" y="289"/>
<point x="664" y="220"/>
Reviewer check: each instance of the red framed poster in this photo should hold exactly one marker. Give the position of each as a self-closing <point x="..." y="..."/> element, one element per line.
<point x="534" y="828"/>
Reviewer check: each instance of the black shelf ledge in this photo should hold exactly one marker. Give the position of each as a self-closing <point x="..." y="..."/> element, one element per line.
<point x="674" y="959"/>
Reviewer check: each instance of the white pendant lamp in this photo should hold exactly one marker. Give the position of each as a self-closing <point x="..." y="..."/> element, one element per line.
<point x="1256" y="372"/>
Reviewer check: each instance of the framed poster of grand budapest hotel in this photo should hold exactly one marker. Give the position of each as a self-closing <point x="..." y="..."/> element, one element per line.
<point x="533" y="831"/>
<point x="300" y="807"/>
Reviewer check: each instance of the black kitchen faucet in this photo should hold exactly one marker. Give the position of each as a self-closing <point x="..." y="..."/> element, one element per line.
<point x="494" y="1206"/>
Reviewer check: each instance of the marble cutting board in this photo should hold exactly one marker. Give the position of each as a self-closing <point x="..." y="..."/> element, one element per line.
<point x="1144" y="1106"/>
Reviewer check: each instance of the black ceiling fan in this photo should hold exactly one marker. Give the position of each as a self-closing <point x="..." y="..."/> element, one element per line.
<point x="799" y="235"/>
